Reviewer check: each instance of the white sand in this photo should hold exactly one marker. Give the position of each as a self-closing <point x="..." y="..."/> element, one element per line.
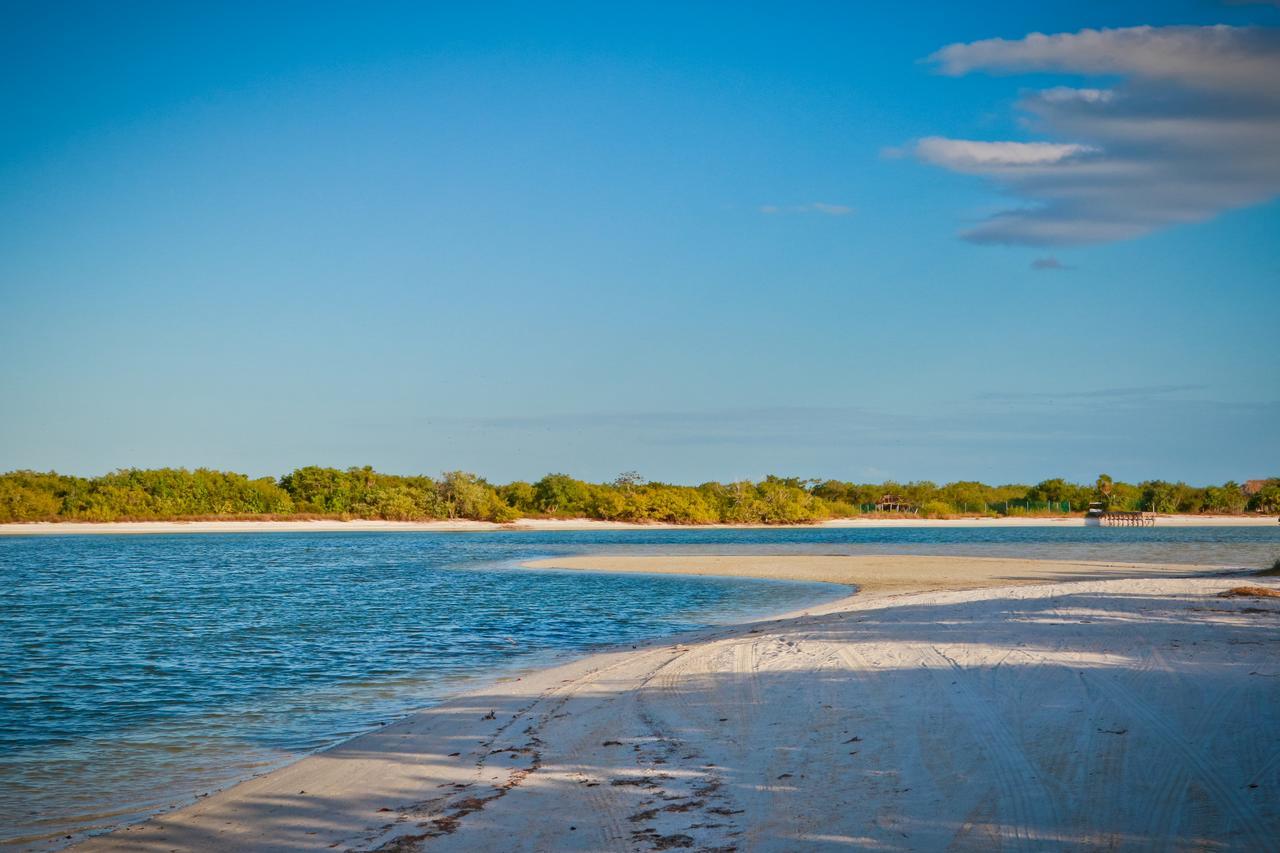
<point x="37" y="528"/>
<point x="875" y="575"/>
<point x="1123" y="713"/>
<point x="54" y="528"/>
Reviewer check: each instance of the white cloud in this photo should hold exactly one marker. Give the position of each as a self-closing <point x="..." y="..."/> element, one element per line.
<point x="1213" y="58"/>
<point x="1192" y="129"/>
<point x="969" y="155"/>
<point x="812" y="207"/>
<point x="1066" y="94"/>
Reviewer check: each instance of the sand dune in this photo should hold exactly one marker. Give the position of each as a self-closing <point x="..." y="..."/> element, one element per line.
<point x="1136" y="710"/>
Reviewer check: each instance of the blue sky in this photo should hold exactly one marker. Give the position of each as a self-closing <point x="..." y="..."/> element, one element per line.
<point x="701" y="241"/>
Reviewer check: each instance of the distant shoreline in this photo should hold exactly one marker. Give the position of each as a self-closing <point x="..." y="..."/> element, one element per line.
<point x="72" y="528"/>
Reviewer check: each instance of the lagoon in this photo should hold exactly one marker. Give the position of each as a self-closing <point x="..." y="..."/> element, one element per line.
<point x="143" y="671"/>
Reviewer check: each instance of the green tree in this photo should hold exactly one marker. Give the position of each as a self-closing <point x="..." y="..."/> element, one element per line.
<point x="1103" y="490"/>
<point x="464" y="495"/>
<point x="1267" y="498"/>
<point x="520" y="496"/>
<point x="1227" y="499"/>
<point x="320" y="490"/>
<point x="561" y="494"/>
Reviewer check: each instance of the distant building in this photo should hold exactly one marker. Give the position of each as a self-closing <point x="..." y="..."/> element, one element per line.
<point x="1252" y="487"/>
<point x="894" y="503"/>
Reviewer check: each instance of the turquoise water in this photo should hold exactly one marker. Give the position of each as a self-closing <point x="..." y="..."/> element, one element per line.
<point x="141" y="671"/>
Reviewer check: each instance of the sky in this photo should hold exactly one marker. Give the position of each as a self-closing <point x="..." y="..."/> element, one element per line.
<point x="1000" y="241"/>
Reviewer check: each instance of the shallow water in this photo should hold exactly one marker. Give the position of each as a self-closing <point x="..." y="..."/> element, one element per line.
<point x="141" y="671"/>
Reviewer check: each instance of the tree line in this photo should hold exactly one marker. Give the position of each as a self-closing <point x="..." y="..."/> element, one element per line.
<point x="312" y="492"/>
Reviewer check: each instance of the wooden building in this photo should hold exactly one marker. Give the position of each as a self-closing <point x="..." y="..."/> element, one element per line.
<point x="894" y="503"/>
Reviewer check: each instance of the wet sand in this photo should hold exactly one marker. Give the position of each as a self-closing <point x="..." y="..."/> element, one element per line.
<point x="953" y="703"/>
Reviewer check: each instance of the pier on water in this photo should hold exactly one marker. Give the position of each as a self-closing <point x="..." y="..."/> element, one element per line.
<point x="1127" y="519"/>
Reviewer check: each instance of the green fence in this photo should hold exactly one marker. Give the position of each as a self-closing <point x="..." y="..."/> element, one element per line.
<point x="1003" y="507"/>
<point x="1032" y="506"/>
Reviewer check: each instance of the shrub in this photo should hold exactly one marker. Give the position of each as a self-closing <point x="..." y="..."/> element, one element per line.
<point x="936" y="509"/>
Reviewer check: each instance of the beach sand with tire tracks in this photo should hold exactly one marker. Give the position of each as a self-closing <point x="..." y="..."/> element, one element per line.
<point x="953" y="703"/>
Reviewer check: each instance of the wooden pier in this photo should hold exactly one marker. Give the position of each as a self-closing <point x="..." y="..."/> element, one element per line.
<point x="1127" y="519"/>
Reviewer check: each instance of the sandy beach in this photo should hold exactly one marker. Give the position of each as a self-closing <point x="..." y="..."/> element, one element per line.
<point x="953" y="703"/>
<point x="51" y="528"/>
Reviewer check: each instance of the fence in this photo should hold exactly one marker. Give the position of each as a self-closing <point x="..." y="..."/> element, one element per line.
<point x="1017" y="507"/>
<point x="1063" y="507"/>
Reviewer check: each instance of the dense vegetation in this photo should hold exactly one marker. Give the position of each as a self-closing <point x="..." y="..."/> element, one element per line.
<point x="173" y="493"/>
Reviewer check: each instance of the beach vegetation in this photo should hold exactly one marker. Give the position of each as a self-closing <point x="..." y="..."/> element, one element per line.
<point x="133" y="494"/>
<point x="1059" y="490"/>
<point x="1250" y="592"/>
<point x="936" y="509"/>
<point x="520" y="496"/>
<point x="560" y="494"/>
<point x="1267" y="498"/>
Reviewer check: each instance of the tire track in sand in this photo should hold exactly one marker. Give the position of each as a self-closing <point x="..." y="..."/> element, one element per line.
<point x="1031" y="805"/>
<point x="1193" y="760"/>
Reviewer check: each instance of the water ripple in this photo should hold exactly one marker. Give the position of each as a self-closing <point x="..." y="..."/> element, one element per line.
<point x="140" y="671"/>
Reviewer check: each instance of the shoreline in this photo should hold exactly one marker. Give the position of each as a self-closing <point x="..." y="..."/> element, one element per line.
<point x="506" y="766"/>
<point x="534" y="525"/>
<point x="496" y="676"/>
<point x="878" y="576"/>
<point x="552" y="662"/>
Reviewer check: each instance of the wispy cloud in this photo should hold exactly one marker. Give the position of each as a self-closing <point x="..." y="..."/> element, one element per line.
<point x="1139" y="392"/>
<point x="771" y="418"/>
<point x="1046" y="264"/>
<point x="966" y="155"/>
<point x="1191" y="129"/>
<point x="812" y="207"/>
